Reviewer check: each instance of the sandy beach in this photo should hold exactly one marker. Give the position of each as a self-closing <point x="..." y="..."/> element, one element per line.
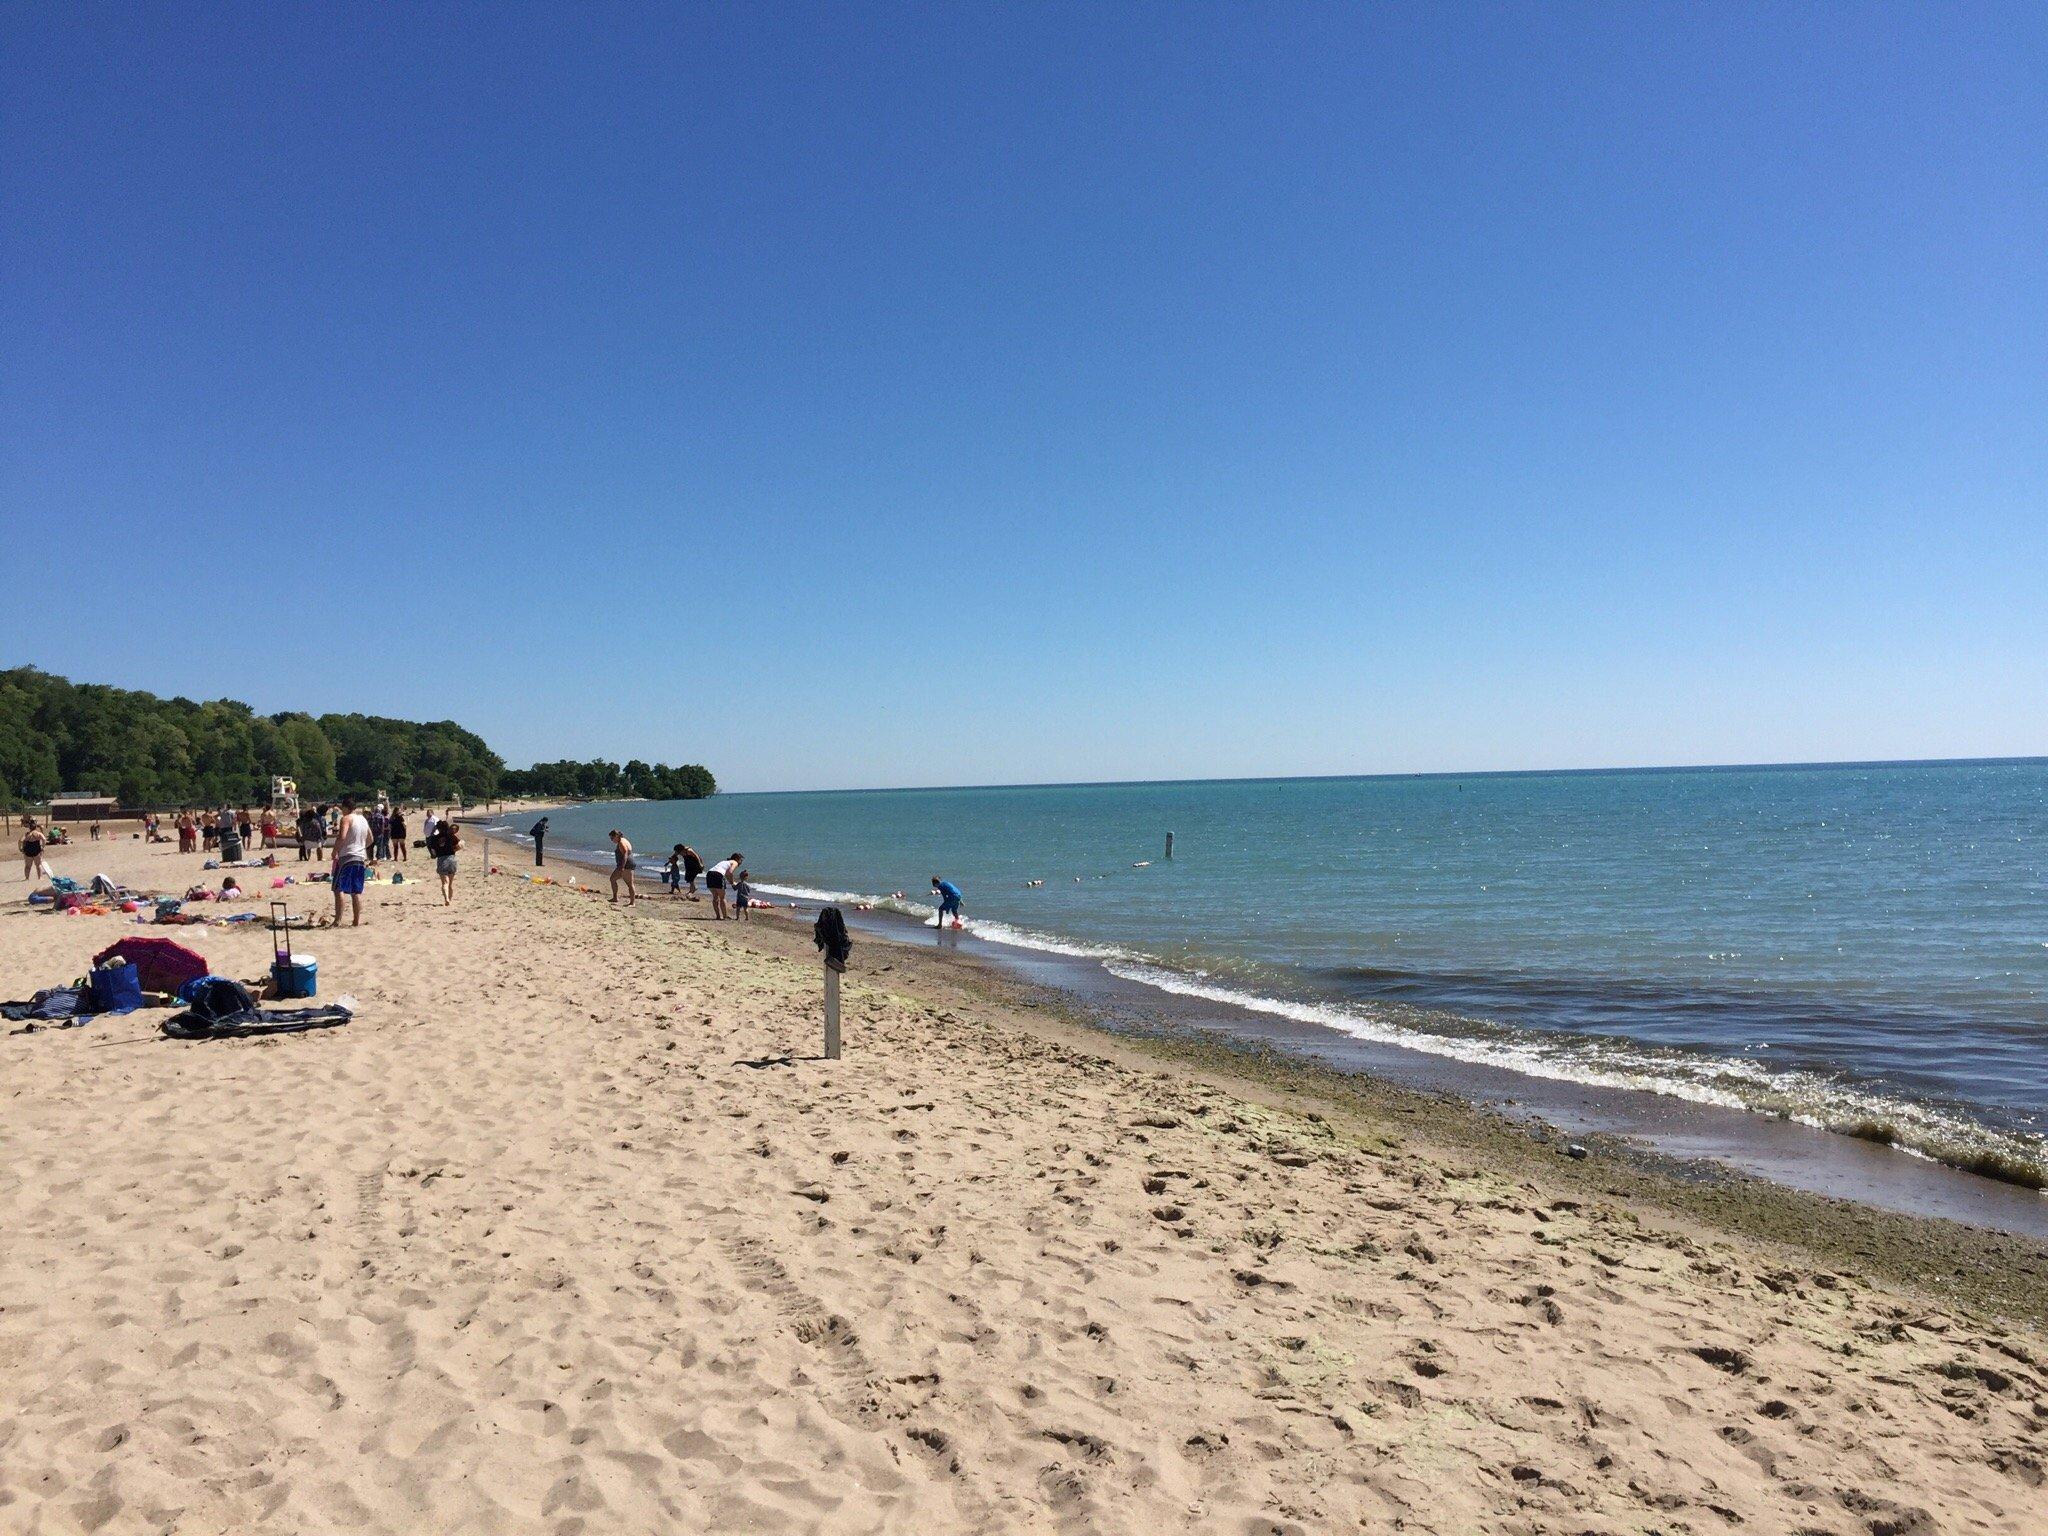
<point x="569" y="1232"/>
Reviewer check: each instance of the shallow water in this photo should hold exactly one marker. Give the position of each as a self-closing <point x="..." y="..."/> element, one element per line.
<point x="1851" y="947"/>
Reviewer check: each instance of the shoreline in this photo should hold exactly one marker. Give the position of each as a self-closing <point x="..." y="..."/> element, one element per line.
<point x="2003" y="1271"/>
<point x="1684" y="1133"/>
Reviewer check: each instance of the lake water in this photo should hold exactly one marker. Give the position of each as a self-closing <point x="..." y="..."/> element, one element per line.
<point x="1857" y="948"/>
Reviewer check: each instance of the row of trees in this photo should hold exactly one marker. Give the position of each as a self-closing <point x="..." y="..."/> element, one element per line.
<point x="597" y="779"/>
<point x="57" y="735"/>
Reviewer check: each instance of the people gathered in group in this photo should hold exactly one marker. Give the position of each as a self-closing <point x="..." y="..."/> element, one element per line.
<point x="364" y="835"/>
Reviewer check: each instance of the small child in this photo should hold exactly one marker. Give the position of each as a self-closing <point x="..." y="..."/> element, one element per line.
<point x="672" y="873"/>
<point x="742" y="893"/>
<point x="230" y="889"/>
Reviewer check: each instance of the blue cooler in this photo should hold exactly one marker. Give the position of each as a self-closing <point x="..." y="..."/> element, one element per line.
<point x="297" y="977"/>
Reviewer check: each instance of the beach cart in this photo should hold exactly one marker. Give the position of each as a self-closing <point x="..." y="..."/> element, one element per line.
<point x="290" y="975"/>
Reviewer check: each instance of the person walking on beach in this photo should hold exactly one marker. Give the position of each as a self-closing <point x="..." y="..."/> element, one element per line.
<point x="715" y="879"/>
<point x="350" y="870"/>
<point x="693" y="866"/>
<point x="443" y="845"/>
<point x="672" y="872"/>
<point x="949" y="900"/>
<point x="32" y="866"/>
<point x="397" y="833"/>
<point x="622" y="866"/>
<point x="540" y="837"/>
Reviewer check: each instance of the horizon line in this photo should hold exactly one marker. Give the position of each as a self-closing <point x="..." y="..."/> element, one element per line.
<point x="1428" y="773"/>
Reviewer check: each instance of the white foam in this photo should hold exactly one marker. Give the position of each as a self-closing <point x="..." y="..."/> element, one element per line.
<point x="1604" y="1062"/>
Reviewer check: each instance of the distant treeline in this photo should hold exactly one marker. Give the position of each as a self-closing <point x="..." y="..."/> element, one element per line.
<point x="56" y="735"/>
<point x="598" y="780"/>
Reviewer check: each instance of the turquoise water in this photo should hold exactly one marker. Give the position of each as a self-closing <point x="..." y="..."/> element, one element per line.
<point x="1849" y="946"/>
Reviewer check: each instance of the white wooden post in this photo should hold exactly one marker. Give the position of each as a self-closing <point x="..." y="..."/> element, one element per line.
<point x="831" y="1012"/>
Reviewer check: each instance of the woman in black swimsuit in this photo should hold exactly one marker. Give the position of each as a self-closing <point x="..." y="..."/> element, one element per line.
<point x="32" y="851"/>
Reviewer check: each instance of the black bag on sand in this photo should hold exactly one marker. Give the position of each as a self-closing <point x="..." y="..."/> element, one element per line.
<point x="829" y="934"/>
<point x="221" y="1009"/>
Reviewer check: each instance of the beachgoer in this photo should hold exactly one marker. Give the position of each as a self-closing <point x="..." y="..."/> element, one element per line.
<point x="246" y="827"/>
<point x="949" y="900"/>
<point x="350" y="869"/>
<point x="268" y="828"/>
<point x="742" y="894"/>
<point x="715" y="879"/>
<point x="693" y="867"/>
<point x="209" y="830"/>
<point x="380" y="833"/>
<point x="230" y="889"/>
<point x="443" y="845"/>
<point x="672" y="873"/>
<point x="540" y="837"/>
<point x="622" y="866"/>
<point x="396" y="830"/>
<point x="95" y="831"/>
<point x="32" y="840"/>
<point x="323" y="829"/>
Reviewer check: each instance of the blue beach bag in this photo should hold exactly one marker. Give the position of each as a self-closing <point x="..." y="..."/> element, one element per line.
<point x="117" y="988"/>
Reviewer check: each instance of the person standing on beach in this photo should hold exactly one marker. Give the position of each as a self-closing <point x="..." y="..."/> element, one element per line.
<point x="380" y="834"/>
<point x="32" y="866"/>
<point x="540" y="837"/>
<point x="396" y="830"/>
<point x="350" y="870"/>
<point x="443" y="845"/>
<point x="742" y="894"/>
<point x="672" y="872"/>
<point x="693" y="866"/>
<point x="622" y="866"/>
<point x="949" y="900"/>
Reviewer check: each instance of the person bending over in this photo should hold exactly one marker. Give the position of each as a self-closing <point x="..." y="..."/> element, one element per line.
<point x="949" y="900"/>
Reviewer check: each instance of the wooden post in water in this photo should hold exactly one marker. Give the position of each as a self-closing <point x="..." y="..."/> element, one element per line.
<point x="1169" y="845"/>
<point x="831" y="1012"/>
<point x="487" y="858"/>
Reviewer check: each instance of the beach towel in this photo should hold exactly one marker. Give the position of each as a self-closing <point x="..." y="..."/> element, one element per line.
<point x="67" y="1006"/>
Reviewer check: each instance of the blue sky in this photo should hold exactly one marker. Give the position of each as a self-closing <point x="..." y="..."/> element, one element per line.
<point x="897" y="395"/>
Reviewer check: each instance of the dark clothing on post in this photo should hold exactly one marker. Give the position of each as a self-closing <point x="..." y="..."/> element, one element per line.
<point x="830" y="935"/>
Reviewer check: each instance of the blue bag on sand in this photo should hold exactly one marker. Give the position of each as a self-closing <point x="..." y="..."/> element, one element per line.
<point x="117" y="988"/>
